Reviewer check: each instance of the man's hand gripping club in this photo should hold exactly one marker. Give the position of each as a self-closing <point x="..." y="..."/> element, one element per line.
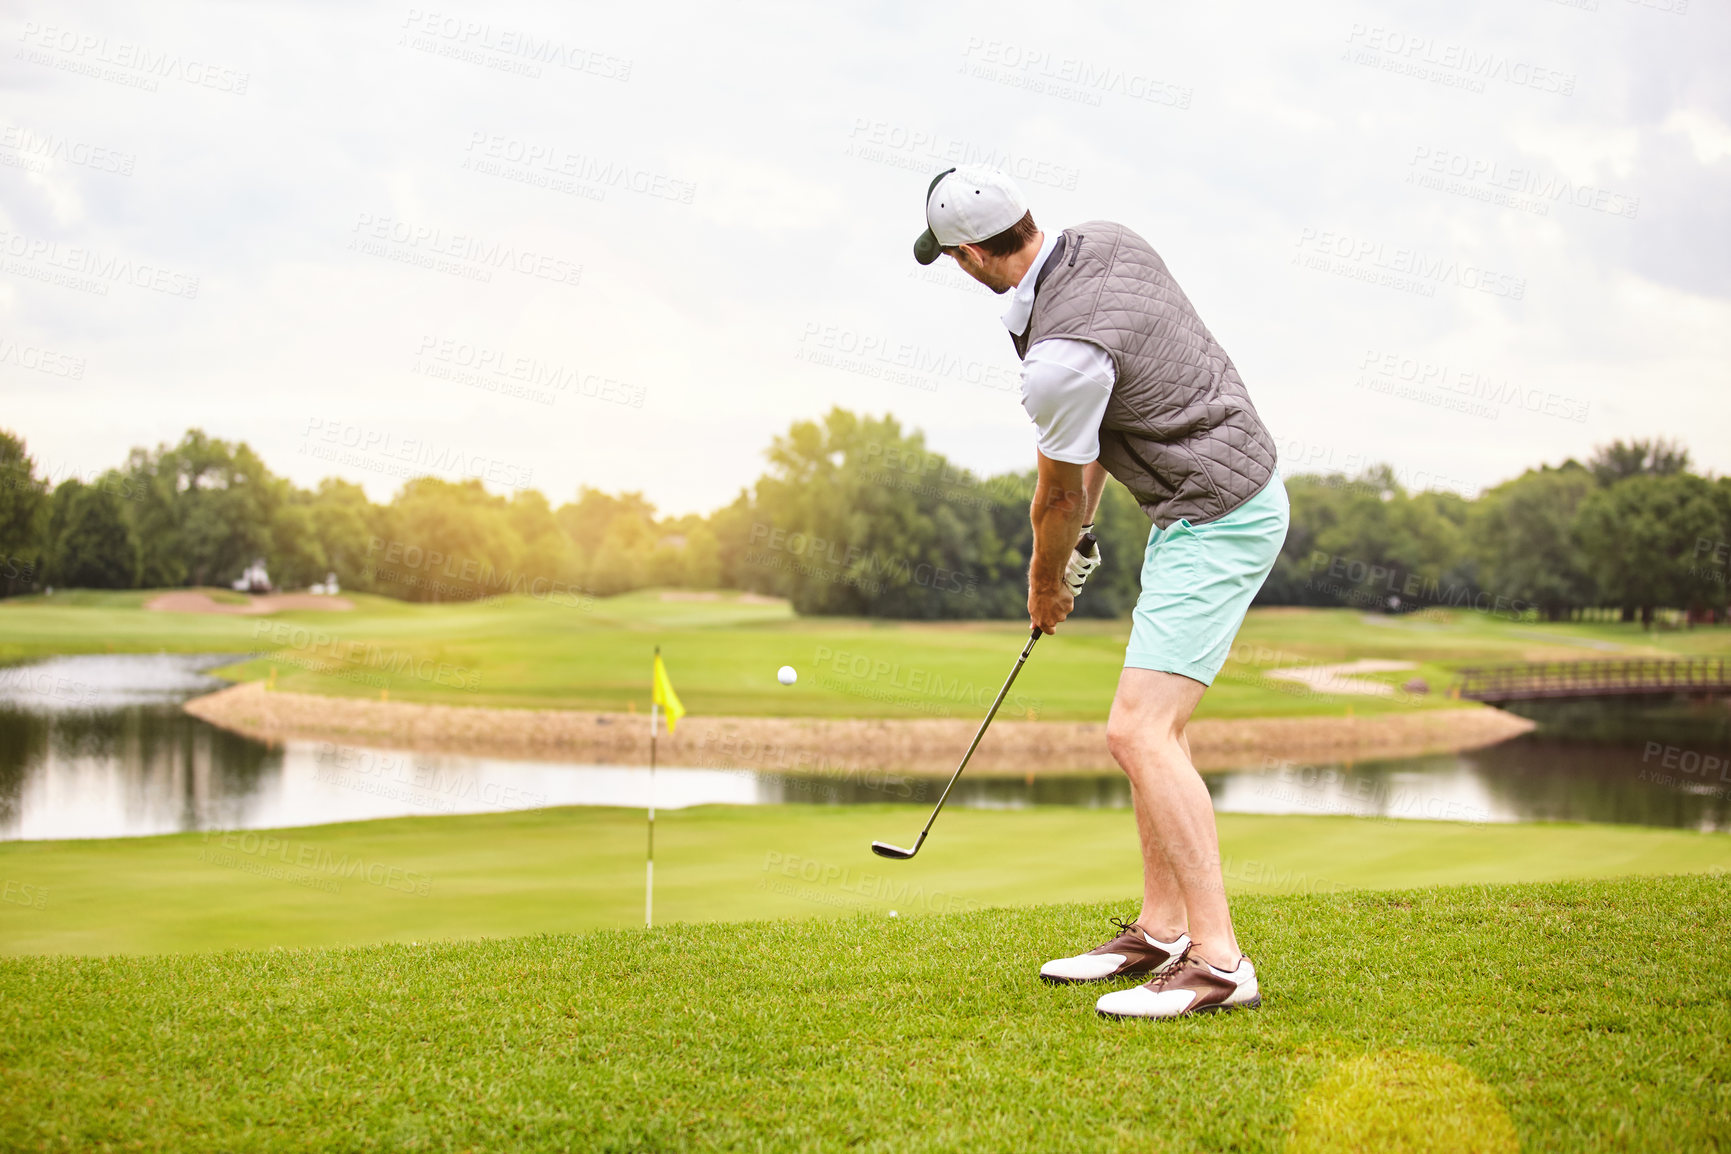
<point x="1065" y="498"/>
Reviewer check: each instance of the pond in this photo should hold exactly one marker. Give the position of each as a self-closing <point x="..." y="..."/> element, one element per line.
<point x="98" y="747"/>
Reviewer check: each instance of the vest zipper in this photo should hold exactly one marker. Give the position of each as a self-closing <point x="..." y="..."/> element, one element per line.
<point x="1147" y="467"/>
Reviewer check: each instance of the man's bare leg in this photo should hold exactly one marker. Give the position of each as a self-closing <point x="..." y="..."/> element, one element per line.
<point x="1163" y="913"/>
<point x="1182" y="883"/>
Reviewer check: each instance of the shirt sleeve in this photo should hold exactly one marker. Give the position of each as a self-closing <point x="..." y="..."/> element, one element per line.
<point x="1065" y="387"/>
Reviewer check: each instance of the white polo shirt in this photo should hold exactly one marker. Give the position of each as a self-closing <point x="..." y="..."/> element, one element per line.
<point x="1065" y="383"/>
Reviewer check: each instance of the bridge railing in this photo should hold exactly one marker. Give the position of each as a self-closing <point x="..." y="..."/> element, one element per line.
<point x="1597" y="678"/>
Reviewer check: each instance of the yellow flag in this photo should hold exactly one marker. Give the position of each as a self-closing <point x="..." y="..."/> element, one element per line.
<point x="665" y="697"/>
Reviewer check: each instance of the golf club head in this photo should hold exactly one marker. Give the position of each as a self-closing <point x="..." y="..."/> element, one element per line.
<point x="885" y="849"/>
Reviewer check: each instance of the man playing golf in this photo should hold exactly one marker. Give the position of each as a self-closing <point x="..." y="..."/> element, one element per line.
<point x="1121" y="377"/>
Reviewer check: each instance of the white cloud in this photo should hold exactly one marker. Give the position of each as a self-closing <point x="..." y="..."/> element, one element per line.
<point x="1220" y="132"/>
<point x="1709" y="137"/>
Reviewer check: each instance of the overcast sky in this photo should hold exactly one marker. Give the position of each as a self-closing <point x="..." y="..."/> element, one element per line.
<point x="624" y="245"/>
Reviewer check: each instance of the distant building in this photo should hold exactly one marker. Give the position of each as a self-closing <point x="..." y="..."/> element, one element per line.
<point x="253" y="579"/>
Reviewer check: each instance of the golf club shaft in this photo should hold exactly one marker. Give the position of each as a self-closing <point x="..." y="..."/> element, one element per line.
<point x="991" y="713"/>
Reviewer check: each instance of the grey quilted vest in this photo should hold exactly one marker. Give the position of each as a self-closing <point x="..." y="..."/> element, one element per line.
<point x="1179" y="431"/>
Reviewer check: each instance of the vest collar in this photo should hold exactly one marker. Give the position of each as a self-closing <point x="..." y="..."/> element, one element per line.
<point x="1052" y="259"/>
<point x="1022" y="299"/>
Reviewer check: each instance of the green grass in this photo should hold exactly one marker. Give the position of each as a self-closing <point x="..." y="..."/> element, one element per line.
<point x="579" y="869"/>
<point x="1567" y="1016"/>
<point x="723" y="654"/>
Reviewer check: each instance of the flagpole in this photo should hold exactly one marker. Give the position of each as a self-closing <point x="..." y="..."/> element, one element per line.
<point x="649" y="878"/>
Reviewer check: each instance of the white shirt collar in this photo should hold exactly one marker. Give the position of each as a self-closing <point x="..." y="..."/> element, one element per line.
<point x="1022" y="300"/>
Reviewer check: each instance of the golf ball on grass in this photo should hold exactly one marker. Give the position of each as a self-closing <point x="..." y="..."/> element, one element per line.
<point x="786" y="675"/>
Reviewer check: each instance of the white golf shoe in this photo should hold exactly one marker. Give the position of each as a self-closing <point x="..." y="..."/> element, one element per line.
<point x="1133" y="952"/>
<point x="1190" y="986"/>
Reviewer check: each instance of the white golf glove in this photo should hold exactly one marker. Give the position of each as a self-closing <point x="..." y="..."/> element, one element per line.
<point x="1081" y="564"/>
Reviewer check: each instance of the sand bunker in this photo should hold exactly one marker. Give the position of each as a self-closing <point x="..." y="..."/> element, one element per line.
<point x="927" y="746"/>
<point x="710" y="595"/>
<point x="1343" y="679"/>
<point x="195" y="601"/>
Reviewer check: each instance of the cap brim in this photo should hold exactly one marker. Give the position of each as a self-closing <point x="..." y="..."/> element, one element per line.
<point x="926" y="248"/>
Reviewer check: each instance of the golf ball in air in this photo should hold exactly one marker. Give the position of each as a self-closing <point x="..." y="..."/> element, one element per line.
<point x="786" y="675"/>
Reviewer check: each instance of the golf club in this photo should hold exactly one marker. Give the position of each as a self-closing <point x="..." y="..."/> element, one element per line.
<point x="884" y="848"/>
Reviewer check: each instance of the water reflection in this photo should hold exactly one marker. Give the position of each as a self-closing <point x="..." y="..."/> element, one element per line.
<point x="1530" y="778"/>
<point x="139" y="769"/>
<point x="1609" y="783"/>
<point x="1683" y="722"/>
<point x="97" y="747"/>
<point x="109" y="681"/>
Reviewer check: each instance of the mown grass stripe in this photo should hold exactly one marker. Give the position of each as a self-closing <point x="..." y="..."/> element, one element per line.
<point x="1596" y="1014"/>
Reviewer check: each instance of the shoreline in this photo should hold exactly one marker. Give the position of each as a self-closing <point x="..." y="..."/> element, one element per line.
<point x="793" y="745"/>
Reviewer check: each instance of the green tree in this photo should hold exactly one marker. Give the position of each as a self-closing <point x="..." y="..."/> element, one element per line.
<point x="621" y="562"/>
<point x="684" y="554"/>
<point x="23" y="516"/>
<point x="347" y="527"/>
<point x="1523" y="531"/>
<point x="206" y="510"/>
<point x="96" y="547"/>
<point x="857" y="517"/>
<point x="735" y="554"/>
<point x="617" y="543"/>
<point x="1300" y="574"/>
<point x="1711" y="561"/>
<point x="1640" y="537"/>
<point x="1388" y="549"/>
<point x="701" y="561"/>
<point x="549" y="561"/>
<point x="586" y="520"/>
<point x="448" y="541"/>
<point x="296" y="557"/>
<point x="1621" y="460"/>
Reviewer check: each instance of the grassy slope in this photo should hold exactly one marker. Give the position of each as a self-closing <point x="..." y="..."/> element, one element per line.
<point x="1583" y="1016"/>
<point x="724" y="654"/>
<point x="567" y="870"/>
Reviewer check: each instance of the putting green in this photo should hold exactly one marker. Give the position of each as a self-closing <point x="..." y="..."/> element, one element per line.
<point x="723" y="653"/>
<point x="579" y="869"/>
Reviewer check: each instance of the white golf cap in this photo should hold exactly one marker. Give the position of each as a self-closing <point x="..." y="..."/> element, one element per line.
<point x="966" y="206"/>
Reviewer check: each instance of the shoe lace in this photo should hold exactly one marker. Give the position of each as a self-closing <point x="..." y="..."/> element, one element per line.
<point x="1124" y="927"/>
<point x="1184" y="961"/>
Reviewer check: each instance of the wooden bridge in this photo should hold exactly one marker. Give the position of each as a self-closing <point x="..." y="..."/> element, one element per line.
<point x="1542" y="680"/>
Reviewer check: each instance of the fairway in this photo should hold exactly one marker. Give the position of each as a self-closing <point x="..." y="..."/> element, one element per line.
<point x="1562" y="1017"/>
<point x="580" y="869"/>
<point x="724" y="652"/>
<point x="631" y="580"/>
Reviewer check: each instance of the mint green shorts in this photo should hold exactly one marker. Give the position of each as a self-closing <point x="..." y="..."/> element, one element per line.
<point x="1197" y="582"/>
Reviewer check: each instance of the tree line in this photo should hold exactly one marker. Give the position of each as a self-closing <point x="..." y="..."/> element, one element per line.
<point x="857" y="516"/>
